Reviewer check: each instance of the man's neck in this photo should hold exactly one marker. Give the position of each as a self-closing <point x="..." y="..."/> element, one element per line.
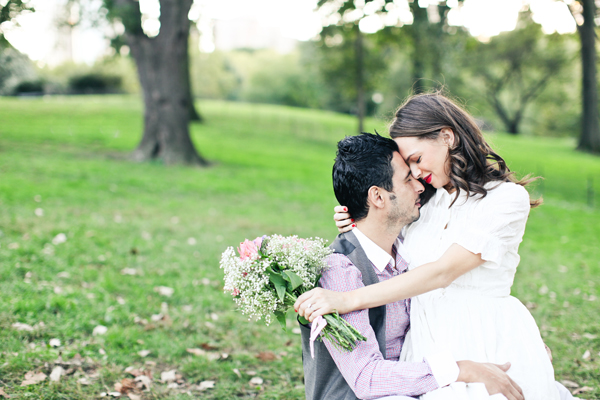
<point x="379" y="233"/>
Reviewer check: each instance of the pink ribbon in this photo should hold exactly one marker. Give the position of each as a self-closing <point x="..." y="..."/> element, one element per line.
<point x="317" y="326"/>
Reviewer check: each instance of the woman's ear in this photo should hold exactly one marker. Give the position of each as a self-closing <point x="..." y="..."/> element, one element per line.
<point x="447" y="136"/>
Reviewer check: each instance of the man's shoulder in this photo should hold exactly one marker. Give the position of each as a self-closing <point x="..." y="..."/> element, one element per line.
<point x="341" y="275"/>
<point x="339" y="260"/>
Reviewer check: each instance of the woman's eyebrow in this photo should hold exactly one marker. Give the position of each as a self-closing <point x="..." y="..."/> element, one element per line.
<point x="409" y="157"/>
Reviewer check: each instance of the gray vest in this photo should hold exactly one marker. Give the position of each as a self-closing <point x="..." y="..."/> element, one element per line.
<point x="322" y="379"/>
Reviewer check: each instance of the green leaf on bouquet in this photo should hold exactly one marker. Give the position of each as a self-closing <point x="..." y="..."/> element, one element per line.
<point x="279" y="283"/>
<point x="281" y="318"/>
<point x="303" y="320"/>
<point x="318" y="279"/>
<point x="293" y="279"/>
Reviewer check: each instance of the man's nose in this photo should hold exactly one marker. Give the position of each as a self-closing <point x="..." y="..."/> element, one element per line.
<point x="419" y="188"/>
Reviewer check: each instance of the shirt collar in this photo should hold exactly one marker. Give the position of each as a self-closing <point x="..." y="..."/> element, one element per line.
<point x="379" y="257"/>
<point x="442" y="196"/>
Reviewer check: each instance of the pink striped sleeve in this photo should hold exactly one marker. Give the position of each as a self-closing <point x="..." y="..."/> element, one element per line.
<point x="366" y="371"/>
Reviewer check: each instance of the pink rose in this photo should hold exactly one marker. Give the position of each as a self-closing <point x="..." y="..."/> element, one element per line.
<point x="247" y="249"/>
<point x="258" y="241"/>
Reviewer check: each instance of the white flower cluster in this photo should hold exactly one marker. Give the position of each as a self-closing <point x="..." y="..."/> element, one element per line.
<point x="247" y="277"/>
<point x="306" y="257"/>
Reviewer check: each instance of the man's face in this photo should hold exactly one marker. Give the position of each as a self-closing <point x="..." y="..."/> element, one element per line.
<point x="404" y="198"/>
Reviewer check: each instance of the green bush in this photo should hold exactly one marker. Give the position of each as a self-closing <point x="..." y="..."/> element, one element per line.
<point x="95" y="83"/>
<point x="29" y="87"/>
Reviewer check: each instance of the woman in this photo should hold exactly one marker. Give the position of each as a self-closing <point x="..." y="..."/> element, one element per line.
<point x="465" y="247"/>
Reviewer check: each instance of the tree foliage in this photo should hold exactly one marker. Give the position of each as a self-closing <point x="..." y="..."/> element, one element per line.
<point x="515" y="67"/>
<point x="9" y="13"/>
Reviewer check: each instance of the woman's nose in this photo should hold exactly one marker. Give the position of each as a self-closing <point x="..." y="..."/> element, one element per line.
<point x="415" y="171"/>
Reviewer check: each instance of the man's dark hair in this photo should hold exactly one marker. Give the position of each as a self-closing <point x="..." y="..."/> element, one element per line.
<point x="362" y="161"/>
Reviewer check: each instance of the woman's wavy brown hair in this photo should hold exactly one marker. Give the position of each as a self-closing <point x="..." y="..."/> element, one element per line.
<point x="473" y="163"/>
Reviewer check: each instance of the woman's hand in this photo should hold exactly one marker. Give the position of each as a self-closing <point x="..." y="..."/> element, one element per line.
<point x="320" y="301"/>
<point x="343" y="220"/>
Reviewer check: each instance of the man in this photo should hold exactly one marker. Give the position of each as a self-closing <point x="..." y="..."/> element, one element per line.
<point x="372" y="179"/>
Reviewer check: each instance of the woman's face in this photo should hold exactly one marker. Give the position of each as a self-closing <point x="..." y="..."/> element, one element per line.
<point x="428" y="158"/>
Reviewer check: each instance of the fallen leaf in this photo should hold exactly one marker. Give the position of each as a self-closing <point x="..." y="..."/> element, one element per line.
<point x="266" y="356"/>
<point x="164" y="291"/>
<point x="251" y="373"/>
<point x="172" y="385"/>
<point x="133" y="396"/>
<point x="143" y="353"/>
<point x="590" y="336"/>
<point x="206" y="385"/>
<point x="22" y="327"/>
<point x="156" y="317"/>
<point x="13" y="246"/>
<point x="127" y="385"/>
<point x="54" y="342"/>
<point x="191" y="241"/>
<point x="84" y="381"/>
<point x="196" y="352"/>
<point x="256" y="381"/>
<point x="582" y="390"/>
<point x="143" y="382"/>
<point x="586" y="355"/>
<point x="56" y="373"/>
<point x="569" y="384"/>
<point x="531" y="305"/>
<point x="237" y="372"/>
<point x="39" y="212"/>
<point x="168" y="376"/>
<point x="3" y="394"/>
<point x="99" y="330"/>
<point x="33" y="378"/>
<point x="110" y="394"/>
<point x="129" y="271"/>
<point x="58" y="239"/>
<point x="63" y="274"/>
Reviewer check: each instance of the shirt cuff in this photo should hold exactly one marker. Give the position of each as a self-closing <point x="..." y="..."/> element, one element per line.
<point x="444" y="368"/>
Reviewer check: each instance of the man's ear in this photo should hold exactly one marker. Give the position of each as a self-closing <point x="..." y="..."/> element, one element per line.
<point x="375" y="197"/>
<point x="447" y="135"/>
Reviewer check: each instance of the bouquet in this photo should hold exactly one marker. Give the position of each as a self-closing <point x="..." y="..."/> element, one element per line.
<point x="271" y="272"/>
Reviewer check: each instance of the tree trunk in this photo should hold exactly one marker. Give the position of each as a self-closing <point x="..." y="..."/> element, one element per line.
<point x="163" y="71"/>
<point x="590" y="129"/>
<point x="193" y="113"/>
<point x="360" y="89"/>
<point x="419" y="32"/>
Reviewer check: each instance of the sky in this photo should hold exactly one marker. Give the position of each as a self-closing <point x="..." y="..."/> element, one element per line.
<point x="37" y="37"/>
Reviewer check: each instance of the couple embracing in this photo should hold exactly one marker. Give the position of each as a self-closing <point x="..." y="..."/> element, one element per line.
<point x="432" y="221"/>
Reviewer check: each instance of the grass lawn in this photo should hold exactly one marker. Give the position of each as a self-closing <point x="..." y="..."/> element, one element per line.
<point x="89" y="239"/>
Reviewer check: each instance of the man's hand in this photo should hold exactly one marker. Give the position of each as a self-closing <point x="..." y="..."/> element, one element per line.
<point x="494" y="377"/>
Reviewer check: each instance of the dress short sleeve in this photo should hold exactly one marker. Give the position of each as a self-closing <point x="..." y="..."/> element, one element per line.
<point x="494" y="225"/>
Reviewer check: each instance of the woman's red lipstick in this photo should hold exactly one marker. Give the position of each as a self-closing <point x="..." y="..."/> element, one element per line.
<point x="428" y="178"/>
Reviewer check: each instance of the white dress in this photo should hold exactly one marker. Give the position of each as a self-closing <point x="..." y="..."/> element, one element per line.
<point x="475" y="317"/>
